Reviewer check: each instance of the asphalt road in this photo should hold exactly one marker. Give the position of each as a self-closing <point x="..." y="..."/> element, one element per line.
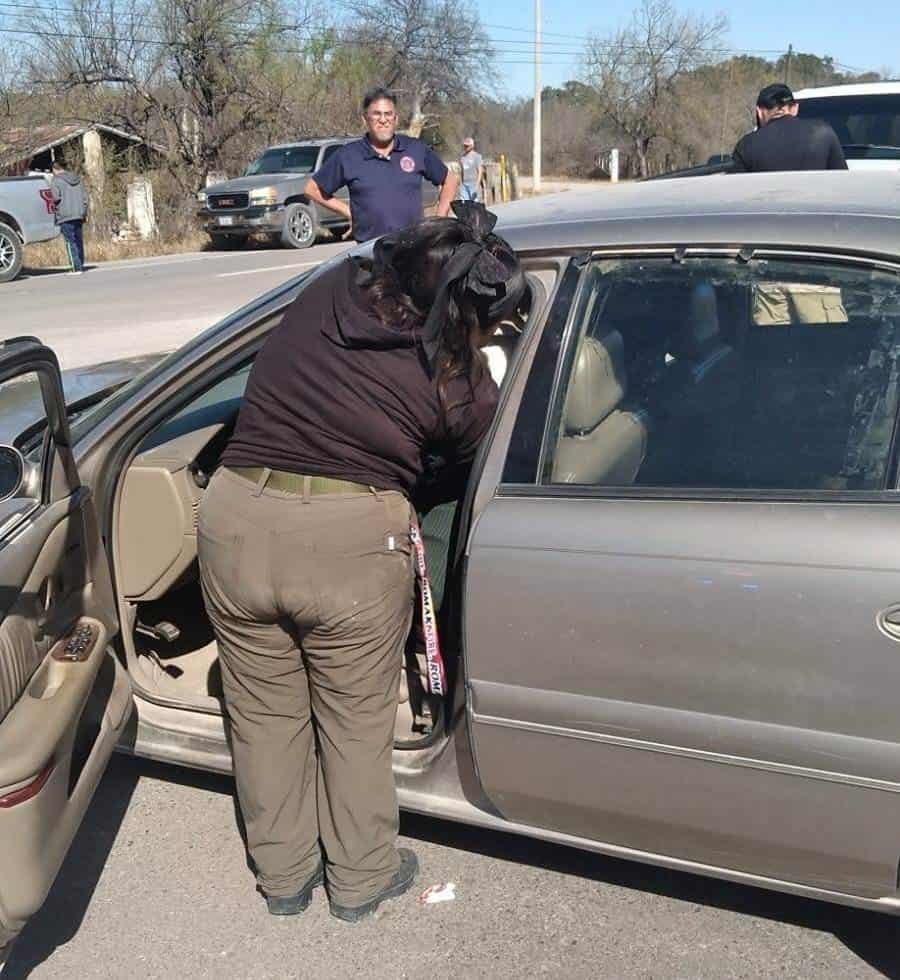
<point x="157" y="886"/>
<point x="145" y="306"/>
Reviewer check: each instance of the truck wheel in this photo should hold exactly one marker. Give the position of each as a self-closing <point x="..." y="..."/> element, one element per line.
<point x="12" y="254"/>
<point x="299" y="229"/>
<point x="228" y="243"/>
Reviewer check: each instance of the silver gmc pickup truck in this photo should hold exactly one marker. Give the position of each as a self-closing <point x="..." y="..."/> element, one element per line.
<point x="26" y="216"/>
<point x="269" y="200"/>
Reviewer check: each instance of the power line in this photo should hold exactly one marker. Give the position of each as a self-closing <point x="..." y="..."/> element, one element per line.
<point x="519" y="47"/>
<point x="422" y="58"/>
<point x="508" y="52"/>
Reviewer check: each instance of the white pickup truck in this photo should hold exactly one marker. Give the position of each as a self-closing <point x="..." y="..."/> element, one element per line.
<point x="866" y="118"/>
<point x="27" y="215"/>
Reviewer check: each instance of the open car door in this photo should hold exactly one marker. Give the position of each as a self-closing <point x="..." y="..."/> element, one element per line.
<point x="64" y="697"/>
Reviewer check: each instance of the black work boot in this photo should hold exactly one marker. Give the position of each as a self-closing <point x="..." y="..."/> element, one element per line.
<point x="293" y="904"/>
<point x="399" y="883"/>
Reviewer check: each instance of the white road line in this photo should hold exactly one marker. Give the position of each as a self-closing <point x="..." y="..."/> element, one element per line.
<point x="130" y="265"/>
<point x="268" y="268"/>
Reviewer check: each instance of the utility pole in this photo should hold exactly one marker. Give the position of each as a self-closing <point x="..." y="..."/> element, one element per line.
<point x="536" y="146"/>
<point x="787" y="65"/>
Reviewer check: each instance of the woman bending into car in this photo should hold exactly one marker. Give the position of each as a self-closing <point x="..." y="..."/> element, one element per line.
<point x="305" y="552"/>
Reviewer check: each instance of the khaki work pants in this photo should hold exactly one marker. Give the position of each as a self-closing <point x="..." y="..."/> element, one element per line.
<point x="311" y="602"/>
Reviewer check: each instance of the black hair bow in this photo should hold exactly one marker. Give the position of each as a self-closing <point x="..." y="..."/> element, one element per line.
<point x="484" y="276"/>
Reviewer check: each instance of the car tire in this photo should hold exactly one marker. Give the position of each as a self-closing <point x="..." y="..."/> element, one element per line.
<point x="228" y="243"/>
<point x="300" y="227"/>
<point x="12" y="254"/>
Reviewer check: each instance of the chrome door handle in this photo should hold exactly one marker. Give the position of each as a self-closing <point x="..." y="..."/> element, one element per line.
<point x="888" y="621"/>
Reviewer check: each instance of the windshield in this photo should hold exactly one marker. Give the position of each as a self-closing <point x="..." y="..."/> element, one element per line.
<point x="288" y="160"/>
<point x="22" y="405"/>
<point x="252" y="311"/>
<point x="868" y="126"/>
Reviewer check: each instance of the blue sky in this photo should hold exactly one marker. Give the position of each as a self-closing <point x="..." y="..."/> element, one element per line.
<point x="866" y="41"/>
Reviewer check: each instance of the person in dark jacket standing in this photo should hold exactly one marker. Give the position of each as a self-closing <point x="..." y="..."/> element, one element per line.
<point x="71" y="210"/>
<point x="785" y="140"/>
<point x="306" y="552"/>
<point x="383" y="174"/>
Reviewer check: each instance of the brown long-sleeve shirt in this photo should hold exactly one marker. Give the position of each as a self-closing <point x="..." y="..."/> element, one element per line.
<point x="336" y="392"/>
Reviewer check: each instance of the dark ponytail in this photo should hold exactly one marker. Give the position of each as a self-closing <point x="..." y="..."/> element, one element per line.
<point x="409" y="289"/>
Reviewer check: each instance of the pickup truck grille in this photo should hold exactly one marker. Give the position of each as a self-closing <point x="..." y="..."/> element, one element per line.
<point x="228" y="202"/>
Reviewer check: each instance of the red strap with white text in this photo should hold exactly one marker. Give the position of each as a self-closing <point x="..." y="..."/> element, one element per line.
<point x="437" y="677"/>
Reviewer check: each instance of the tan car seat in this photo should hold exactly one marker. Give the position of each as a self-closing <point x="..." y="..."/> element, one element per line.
<point x="602" y="444"/>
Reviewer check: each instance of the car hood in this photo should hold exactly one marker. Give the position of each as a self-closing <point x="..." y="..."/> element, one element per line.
<point x="258" y="180"/>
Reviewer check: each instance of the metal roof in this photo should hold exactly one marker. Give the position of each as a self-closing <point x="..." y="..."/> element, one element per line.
<point x="25" y="143"/>
<point x="838" y="209"/>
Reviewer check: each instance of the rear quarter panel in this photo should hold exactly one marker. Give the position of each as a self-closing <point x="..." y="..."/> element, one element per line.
<point x="22" y="204"/>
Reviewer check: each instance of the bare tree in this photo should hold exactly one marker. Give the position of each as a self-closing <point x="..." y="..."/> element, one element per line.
<point x="433" y="51"/>
<point x="636" y="71"/>
<point x="195" y="75"/>
<point x="6" y="87"/>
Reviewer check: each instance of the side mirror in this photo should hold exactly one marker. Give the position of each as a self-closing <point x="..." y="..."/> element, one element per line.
<point x="12" y="472"/>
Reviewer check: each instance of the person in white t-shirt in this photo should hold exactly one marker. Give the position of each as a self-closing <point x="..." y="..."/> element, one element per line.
<point x="472" y="168"/>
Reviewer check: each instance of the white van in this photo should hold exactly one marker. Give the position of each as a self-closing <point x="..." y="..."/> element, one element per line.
<point x="866" y="118"/>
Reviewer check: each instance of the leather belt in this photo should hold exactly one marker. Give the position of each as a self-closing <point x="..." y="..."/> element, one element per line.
<point x="294" y="482"/>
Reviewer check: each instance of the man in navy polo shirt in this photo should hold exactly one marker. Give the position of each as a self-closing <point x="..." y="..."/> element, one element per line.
<point x="383" y="173"/>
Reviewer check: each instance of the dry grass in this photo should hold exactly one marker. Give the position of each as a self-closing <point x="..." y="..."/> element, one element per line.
<point x="46" y="255"/>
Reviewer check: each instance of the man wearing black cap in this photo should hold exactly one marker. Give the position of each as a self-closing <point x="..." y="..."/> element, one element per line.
<point x="785" y="142"/>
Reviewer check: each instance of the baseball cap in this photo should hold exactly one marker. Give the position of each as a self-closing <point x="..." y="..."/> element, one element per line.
<point x="774" y="96"/>
<point x="468" y="141"/>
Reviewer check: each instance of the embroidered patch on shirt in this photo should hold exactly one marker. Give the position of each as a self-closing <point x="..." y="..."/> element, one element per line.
<point x="407" y="164"/>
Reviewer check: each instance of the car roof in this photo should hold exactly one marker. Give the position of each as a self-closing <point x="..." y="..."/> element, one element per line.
<point x="838" y="209"/>
<point x="858" y="88"/>
<point x="313" y="141"/>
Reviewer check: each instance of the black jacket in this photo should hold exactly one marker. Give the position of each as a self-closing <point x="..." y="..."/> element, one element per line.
<point x="789" y="143"/>
<point x="336" y="392"/>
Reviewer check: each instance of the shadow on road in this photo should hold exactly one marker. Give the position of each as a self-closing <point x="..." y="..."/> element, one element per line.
<point x="40" y="273"/>
<point x="61" y="916"/>
<point x="872" y="937"/>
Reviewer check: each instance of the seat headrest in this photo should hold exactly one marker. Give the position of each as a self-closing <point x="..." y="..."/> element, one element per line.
<point x="598" y="382"/>
<point x="701" y="323"/>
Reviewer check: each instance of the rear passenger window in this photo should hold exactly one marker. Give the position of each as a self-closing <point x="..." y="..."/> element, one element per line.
<point x="714" y="373"/>
<point x="329" y="153"/>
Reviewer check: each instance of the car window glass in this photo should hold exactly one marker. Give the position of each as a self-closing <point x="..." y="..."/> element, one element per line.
<point x="523" y="452"/>
<point x="868" y="126"/>
<point x="216" y="404"/>
<point x="285" y="160"/>
<point x="777" y="374"/>
<point x="185" y="354"/>
<point x="24" y="406"/>
<point x="21" y="405"/>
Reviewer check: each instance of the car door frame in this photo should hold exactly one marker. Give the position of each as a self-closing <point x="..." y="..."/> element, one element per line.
<point x="66" y="701"/>
<point x="478" y="695"/>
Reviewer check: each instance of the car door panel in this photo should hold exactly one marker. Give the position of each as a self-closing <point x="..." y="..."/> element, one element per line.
<point x="667" y="803"/>
<point x="693" y="660"/>
<point x="655" y="699"/>
<point x="61" y="709"/>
